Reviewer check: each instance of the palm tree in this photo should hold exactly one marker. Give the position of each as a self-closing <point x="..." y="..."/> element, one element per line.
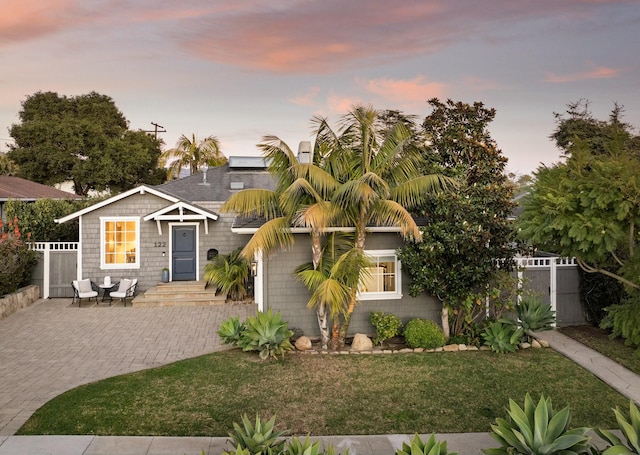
<point x="193" y="154"/>
<point x="299" y="200"/>
<point x="380" y="180"/>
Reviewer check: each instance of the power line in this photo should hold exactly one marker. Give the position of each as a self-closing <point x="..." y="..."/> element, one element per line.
<point x="157" y="129"/>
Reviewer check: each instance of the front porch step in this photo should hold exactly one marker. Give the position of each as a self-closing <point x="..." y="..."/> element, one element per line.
<point x="179" y="293"/>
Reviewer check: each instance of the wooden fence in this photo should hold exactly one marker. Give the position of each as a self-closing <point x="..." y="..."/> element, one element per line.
<point x="57" y="267"/>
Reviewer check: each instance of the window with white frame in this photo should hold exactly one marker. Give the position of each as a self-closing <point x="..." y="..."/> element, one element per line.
<point x="381" y="280"/>
<point x="120" y="242"/>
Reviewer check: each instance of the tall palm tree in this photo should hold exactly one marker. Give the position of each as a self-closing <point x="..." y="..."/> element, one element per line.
<point x="380" y="179"/>
<point x="299" y="200"/>
<point x="193" y="154"/>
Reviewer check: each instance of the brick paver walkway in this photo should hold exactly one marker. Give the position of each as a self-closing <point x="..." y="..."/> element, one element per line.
<point x="49" y="348"/>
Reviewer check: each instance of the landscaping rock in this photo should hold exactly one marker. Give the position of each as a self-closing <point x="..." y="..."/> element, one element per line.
<point x="536" y="344"/>
<point x="485" y="348"/>
<point x="303" y="343"/>
<point x="472" y="348"/>
<point x="462" y="347"/>
<point x="361" y="342"/>
<point x="439" y="349"/>
<point x="525" y="345"/>
<point x="450" y="348"/>
<point x="544" y="343"/>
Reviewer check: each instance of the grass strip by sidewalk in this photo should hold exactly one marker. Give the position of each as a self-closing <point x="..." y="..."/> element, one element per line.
<point x="328" y="394"/>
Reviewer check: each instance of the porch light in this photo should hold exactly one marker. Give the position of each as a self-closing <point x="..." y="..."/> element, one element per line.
<point x="254" y="268"/>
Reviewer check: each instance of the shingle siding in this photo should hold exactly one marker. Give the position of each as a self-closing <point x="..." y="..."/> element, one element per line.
<point x="286" y="294"/>
<point x="152" y="244"/>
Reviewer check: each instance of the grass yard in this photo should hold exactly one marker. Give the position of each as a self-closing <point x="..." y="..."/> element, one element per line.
<point x="328" y="394"/>
<point x="598" y="340"/>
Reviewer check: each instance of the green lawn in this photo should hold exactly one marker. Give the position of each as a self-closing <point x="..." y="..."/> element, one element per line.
<point x="328" y="394"/>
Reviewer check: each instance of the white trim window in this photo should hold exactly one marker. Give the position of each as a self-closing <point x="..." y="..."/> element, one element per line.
<point x="120" y="242"/>
<point x="383" y="279"/>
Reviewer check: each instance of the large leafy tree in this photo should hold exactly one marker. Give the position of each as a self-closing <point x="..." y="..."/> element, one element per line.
<point x="589" y="206"/>
<point x="381" y="176"/>
<point x="467" y="232"/>
<point x="84" y="139"/>
<point x="193" y="154"/>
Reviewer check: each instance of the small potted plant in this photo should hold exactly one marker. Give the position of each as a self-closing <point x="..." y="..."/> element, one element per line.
<point x="165" y="275"/>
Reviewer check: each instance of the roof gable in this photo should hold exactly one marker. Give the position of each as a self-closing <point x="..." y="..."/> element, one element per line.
<point x="137" y="190"/>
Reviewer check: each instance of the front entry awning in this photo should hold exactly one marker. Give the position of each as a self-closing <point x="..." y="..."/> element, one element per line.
<point x="180" y="212"/>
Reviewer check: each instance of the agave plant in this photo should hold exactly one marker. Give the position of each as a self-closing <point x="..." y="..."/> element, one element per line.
<point x="231" y="331"/>
<point x="534" y="315"/>
<point x="258" y="439"/>
<point x="431" y="447"/>
<point x="537" y="430"/>
<point x="630" y="429"/>
<point x="502" y="336"/>
<point x="267" y="334"/>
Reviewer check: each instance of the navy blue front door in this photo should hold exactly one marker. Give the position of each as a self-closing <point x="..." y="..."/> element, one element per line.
<point x="184" y="253"/>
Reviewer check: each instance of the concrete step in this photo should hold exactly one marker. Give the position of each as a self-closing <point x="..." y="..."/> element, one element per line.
<point x="179" y="293"/>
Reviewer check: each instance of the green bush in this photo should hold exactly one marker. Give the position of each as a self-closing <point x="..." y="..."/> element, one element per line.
<point x="624" y="321"/>
<point x="537" y="430"/>
<point x="17" y="259"/>
<point x="423" y="333"/>
<point x="534" y="315"/>
<point x="253" y="439"/>
<point x="229" y="273"/>
<point x="417" y="447"/>
<point x="502" y="336"/>
<point x="386" y="325"/>
<point x="231" y="331"/>
<point x="267" y="334"/>
<point x="597" y="292"/>
<point x="630" y="429"/>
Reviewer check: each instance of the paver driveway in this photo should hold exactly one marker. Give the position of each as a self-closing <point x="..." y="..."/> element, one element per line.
<point x="49" y="348"/>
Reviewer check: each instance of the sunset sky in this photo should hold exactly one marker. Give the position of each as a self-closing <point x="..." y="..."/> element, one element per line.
<point x="242" y="69"/>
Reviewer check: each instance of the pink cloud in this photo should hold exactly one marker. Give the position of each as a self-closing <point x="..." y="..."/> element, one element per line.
<point x="600" y="72"/>
<point x="341" y="104"/>
<point x="28" y="19"/>
<point x="405" y="93"/>
<point x="306" y="99"/>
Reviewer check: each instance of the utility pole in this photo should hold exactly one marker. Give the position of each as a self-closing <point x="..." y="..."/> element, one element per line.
<point x="157" y="129"/>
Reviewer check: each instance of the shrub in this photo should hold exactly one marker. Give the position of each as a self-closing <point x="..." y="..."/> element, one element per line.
<point x="431" y="447"/>
<point x="630" y="429"/>
<point x="624" y="321"/>
<point x="229" y="273"/>
<point x="598" y="291"/>
<point x="267" y="334"/>
<point x="231" y="331"/>
<point x="386" y="325"/>
<point x="423" y="333"/>
<point x="534" y="315"/>
<point x="251" y="439"/>
<point x="502" y="336"/>
<point x="537" y="430"/>
<point x="17" y="259"/>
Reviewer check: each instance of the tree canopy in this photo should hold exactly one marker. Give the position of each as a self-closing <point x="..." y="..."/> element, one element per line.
<point x="84" y="139"/>
<point x="467" y="230"/>
<point x="589" y="206"/>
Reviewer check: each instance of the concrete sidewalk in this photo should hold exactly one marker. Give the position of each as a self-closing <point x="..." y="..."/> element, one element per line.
<point x="618" y="377"/>
<point x="463" y="443"/>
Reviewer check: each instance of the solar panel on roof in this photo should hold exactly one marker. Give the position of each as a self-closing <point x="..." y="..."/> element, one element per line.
<point x="246" y="162"/>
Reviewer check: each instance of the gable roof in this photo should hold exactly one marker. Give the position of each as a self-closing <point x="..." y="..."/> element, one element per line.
<point x="220" y="183"/>
<point x="26" y="190"/>
<point x="137" y="190"/>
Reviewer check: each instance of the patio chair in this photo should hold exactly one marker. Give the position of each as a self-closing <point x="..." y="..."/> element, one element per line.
<point x="84" y="289"/>
<point x="126" y="289"/>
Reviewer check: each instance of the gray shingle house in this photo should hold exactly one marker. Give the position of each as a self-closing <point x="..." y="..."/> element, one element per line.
<point x="177" y="225"/>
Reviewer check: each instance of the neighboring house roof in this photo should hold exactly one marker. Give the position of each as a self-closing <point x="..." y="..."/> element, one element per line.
<point x="26" y="190"/>
<point x="220" y="182"/>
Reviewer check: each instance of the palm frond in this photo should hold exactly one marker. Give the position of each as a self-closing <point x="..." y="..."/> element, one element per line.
<point x="253" y="202"/>
<point x="275" y="233"/>
<point x="416" y="191"/>
<point x="390" y="213"/>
